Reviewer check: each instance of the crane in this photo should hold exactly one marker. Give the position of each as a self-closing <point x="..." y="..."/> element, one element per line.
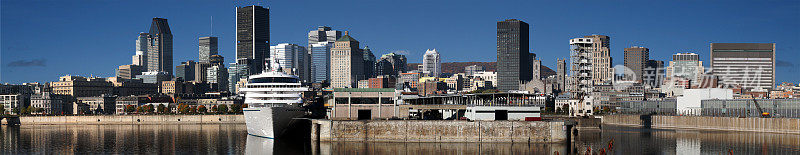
<point x="758" y="107"/>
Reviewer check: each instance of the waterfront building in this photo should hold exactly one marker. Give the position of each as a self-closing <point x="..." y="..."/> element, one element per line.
<point x="122" y="101"/>
<point x="154" y="77"/>
<point x="178" y="86"/>
<point x="455" y="82"/>
<point x="346" y="63"/>
<point x="469" y="70"/>
<point x="363" y="84"/>
<point x="363" y="104"/>
<point x="140" y="59"/>
<point x="14" y="101"/>
<point x="77" y="86"/>
<point x="292" y="58"/>
<point x="431" y="63"/>
<point x="369" y="62"/>
<point x="103" y="104"/>
<point x="691" y="101"/>
<point x="126" y="87"/>
<point x="130" y="71"/>
<point x="409" y="80"/>
<point x="200" y="70"/>
<point x="236" y="73"/>
<point x="320" y="60"/>
<point x="748" y="65"/>
<point x="513" y="62"/>
<point x="488" y="76"/>
<point x="382" y="82"/>
<point x="653" y="73"/>
<point x="252" y="37"/>
<point x="323" y="34"/>
<point x="217" y="78"/>
<point x="391" y="64"/>
<point x="636" y="59"/>
<point x="590" y="63"/>
<point x="685" y="70"/>
<point x="159" y="49"/>
<point x="186" y="70"/>
<point x="207" y="47"/>
<point x="48" y="102"/>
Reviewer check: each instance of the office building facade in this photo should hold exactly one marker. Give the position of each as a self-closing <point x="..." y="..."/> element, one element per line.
<point x="159" y="49"/>
<point x="513" y="63"/>
<point x="323" y="34"/>
<point x="346" y="63"/>
<point x="431" y="63"/>
<point x="320" y="60"/>
<point x="207" y="47"/>
<point x="748" y="65"/>
<point x="635" y="59"/>
<point x="252" y="37"/>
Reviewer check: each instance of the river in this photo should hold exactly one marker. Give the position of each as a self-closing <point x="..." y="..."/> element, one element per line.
<point x="233" y="139"/>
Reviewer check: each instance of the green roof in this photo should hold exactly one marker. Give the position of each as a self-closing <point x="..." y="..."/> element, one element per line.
<point x="363" y="89"/>
<point x="346" y="38"/>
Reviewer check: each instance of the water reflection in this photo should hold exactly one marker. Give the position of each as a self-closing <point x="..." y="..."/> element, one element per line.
<point x="233" y="139"/>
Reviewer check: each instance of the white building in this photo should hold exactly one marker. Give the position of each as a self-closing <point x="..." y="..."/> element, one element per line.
<point x="10" y="102"/>
<point x="502" y="113"/>
<point x="50" y="103"/>
<point x="293" y="58"/>
<point x="487" y="76"/>
<point x="581" y="107"/>
<point x="690" y="102"/>
<point x="431" y="63"/>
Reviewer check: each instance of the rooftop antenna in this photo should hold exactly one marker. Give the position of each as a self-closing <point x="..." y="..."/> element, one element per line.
<point x="212" y="25"/>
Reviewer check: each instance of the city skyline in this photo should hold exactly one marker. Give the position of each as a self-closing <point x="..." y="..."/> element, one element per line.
<point x="121" y="47"/>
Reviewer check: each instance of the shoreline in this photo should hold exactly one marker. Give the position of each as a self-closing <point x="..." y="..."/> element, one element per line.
<point x="125" y="119"/>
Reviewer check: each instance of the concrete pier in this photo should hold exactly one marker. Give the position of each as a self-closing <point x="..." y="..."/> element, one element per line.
<point x="441" y="131"/>
<point x="772" y="125"/>
<point x="130" y="119"/>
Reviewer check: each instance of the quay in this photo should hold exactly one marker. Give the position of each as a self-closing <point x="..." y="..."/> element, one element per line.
<point x="441" y="131"/>
<point x="125" y="119"/>
<point x="752" y="124"/>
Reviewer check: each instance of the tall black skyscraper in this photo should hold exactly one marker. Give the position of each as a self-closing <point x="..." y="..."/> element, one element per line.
<point x="208" y="47"/>
<point x="252" y="37"/>
<point x="159" y="47"/>
<point x="513" y="62"/>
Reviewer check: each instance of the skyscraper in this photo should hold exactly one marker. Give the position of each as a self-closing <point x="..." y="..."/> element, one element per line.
<point x="635" y="59"/>
<point x="369" y="63"/>
<point x="208" y="47"/>
<point x="749" y="65"/>
<point x="431" y="63"/>
<point x="185" y="70"/>
<point x="391" y="65"/>
<point x="513" y="64"/>
<point x="236" y="72"/>
<point x="217" y="78"/>
<point x="320" y="60"/>
<point x="685" y="66"/>
<point x="346" y="63"/>
<point x="159" y="50"/>
<point x="292" y="58"/>
<point x="653" y="73"/>
<point x="323" y="34"/>
<point x="140" y="59"/>
<point x="602" y="71"/>
<point x="252" y="37"/>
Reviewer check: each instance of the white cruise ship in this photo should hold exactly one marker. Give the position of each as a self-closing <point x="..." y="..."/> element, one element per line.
<point x="274" y="98"/>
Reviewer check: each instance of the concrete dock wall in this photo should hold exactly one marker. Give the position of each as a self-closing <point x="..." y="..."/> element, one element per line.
<point x="774" y="125"/>
<point x="440" y="131"/>
<point x="131" y="119"/>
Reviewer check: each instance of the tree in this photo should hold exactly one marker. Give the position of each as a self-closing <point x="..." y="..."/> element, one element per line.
<point x="214" y="109"/>
<point x="130" y="108"/>
<point x="149" y="108"/>
<point x="183" y="108"/>
<point x="193" y="109"/>
<point x="202" y="109"/>
<point x="2" y="109"/>
<point x="236" y="108"/>
<point x="162" y="109"/>
<point x="99" y="110"/>
<point x="16" y="110"/>
<point x="222" y="109"/>
<point x="140" y="109"/>
<point x="565" y="109"/>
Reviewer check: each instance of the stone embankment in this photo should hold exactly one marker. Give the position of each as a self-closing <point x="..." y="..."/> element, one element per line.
<point x="130" y="119"/>
<point x="772" y="125"/>
<point x="442" y="131"/>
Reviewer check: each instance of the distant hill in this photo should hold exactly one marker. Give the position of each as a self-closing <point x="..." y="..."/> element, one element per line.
<point x="458" y="67"/>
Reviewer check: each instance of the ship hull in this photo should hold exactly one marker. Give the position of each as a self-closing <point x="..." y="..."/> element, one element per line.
<point x="271" y="122"/>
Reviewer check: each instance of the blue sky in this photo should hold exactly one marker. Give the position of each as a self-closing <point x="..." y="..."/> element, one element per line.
<point x="42" y="40"/>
